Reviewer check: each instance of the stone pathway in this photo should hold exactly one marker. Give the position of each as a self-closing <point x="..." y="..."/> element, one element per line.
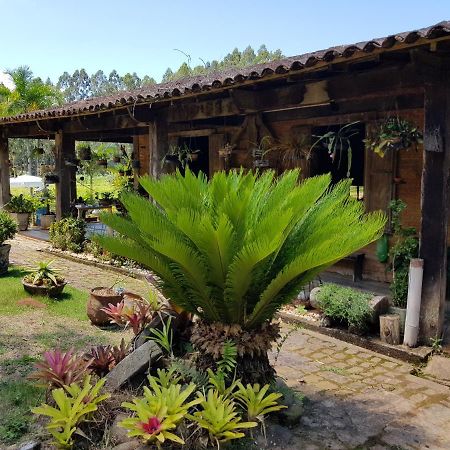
<point x="358" y="399"/>
<point x="25" y="252"/>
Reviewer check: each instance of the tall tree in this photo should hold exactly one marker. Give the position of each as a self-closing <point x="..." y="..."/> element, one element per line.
<point x="29" y="94"/>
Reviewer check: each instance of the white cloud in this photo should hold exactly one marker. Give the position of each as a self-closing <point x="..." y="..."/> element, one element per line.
<point x="6" y="80"/>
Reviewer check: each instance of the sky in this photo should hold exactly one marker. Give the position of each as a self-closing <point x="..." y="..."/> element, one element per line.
<point x="53" y="36"/>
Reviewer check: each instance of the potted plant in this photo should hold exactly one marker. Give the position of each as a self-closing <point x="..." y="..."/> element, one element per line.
<point x="38" y="151"/>
<point x="106" y="199"/>
<point x="99" y="298"/>
<point x="394" y="134"/>
<point x="20" y="209"/>
<point x="259" y="152"/>
<point x="84" y="151"/>
<point x="180" y="156"/>
<point x="338" y="142"/>
<point x="51" y="178"/>
<point x="117" y="159"/>
<point x="44" y="280"/>
<point x="405" y="247"/>
<point x="8" y="229"/>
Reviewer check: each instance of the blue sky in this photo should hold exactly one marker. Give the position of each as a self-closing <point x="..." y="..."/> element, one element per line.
<point x="54" y="36"/>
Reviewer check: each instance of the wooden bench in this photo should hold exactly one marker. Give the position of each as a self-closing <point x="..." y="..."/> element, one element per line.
<point x="357" y="259"/>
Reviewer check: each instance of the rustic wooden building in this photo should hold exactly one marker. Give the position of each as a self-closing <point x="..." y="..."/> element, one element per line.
<point x="406" y="75"/>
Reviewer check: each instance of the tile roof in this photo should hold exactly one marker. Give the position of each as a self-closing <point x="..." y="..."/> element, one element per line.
<point x="230" y="77"/>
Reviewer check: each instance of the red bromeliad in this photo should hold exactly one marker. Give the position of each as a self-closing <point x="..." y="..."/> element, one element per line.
<point x="153" y="425"/>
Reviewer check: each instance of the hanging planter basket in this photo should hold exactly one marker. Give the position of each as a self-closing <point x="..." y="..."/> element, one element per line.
<point x="117" y="159"/>
<point x="85" y="153"/>
<point x="38" y="151"/>
<point x="51" y="178"/>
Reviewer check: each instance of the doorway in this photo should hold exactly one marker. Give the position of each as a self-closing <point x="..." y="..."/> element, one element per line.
<point x="200" y="143"/>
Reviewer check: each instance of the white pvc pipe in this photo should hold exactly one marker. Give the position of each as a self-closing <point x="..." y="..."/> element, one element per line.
<point x="413" y="304"/>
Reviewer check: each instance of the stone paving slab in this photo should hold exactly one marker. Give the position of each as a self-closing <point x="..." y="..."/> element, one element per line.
<point x="358" y="399"/>
<point x="25" y="252"/>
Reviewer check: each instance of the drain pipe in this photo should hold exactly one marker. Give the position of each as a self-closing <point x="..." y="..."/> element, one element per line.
<point x="414" y="301"/>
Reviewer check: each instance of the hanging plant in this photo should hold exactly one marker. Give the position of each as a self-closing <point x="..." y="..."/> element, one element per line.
<point x="394" y="134"/>
<point x="259" y="152"/>
<point x="84" y="152"/>
<point x="181" y="155"/>
<point x="338" y="142"/>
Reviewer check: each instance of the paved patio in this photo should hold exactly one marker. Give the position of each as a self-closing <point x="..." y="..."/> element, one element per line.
<point x="356" y="399"/>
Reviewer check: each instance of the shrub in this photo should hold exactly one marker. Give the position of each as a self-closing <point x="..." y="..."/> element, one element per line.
<point x="8" y="227"/>
<point x="20" y="204"/>
<point x="345" y="305"/>
<point x="68" y="234"/>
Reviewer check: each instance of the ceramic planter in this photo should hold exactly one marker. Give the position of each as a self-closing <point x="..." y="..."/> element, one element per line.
<point x="22" y="220"/>
<point x="4" y="258"/>
<point x="44" y="291"/>
<point x="47" y="220"/>
<point x="101" y="297"/>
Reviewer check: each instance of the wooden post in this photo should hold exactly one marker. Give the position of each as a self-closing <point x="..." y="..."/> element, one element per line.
<point x="158" y="143"/>
<point x="65" y="188"/>
<point x="390" y="328"/>
<point x="4" y="172"/>
<point x="434" y="204"/>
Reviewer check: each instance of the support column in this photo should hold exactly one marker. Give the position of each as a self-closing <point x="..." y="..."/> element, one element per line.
<point x="66" y="187"/>
<point x="158" y="143"/>
<point x="434" y="204"/>
<point x="4" y="172"/>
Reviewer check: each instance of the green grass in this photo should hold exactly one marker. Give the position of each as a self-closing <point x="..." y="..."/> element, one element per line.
<point x="71" y="304"/>
<point x="19" y="366"/>
<point x="17" y="398"/>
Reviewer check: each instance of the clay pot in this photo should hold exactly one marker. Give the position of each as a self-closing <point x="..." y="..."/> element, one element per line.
<point x="4" y="258"/>
<point x="44" y="291"/>
<point x="99" y="298"/>
<point x="22" y="220"/>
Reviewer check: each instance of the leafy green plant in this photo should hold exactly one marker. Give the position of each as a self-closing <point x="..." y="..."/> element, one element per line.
<point x="159" y="412"/>
<point x="68" y="234"/>
<point x="436" y="345"/>
<point x="8" y="227"/>
<point x="234" y="249"/>
<point x="218" y="416"/>
<point x="181" y="154"/>
<point x="60" y="369"/>
<point x="345" y="305"/>
<point x="257" y="402"/>
<point x="405" y="247"/>
<point x="338" y="142"/>
<point x="394" y="134"/>
<point x="163" y="337"/>
<point x="20" y="204"/>
<point x="74" y="404"/>
<point x="44" y="275"/>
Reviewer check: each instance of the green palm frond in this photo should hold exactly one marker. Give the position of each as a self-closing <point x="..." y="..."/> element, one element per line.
<point x="236" y="248"/>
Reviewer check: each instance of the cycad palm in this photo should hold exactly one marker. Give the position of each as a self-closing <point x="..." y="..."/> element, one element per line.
<point x="236" y="248"/>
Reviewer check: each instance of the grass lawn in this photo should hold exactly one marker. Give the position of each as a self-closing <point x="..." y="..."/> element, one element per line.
<point x="25" y="333"/>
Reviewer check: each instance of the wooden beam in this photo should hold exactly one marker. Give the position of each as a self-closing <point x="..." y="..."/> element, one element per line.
<point x="4" y="172"/>
<point x="193" y="133"/>
<point x="65" y="188"/>
<point x="158" y="142"/>
<point x="434" y="204"/>
<point x="220" y="107"/>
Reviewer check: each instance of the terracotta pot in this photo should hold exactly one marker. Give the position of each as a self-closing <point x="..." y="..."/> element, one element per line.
<point x="22" y="220"/>
<point x="99" y="298"/>
<point x="4" y="258"/>
<point x="43" y="291"/>
<point x="47" y="220"/>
